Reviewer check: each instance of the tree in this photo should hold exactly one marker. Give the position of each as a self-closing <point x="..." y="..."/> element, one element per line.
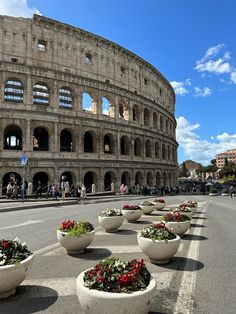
<point x="229" y="169"/>
<point x="184" y="171"/>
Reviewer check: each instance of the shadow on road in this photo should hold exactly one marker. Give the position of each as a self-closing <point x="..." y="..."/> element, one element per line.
<point x="197" y="226"/>
<point x="94" y="254"/>
<point x="194" y="237"/>
<point x="183" y="264"/>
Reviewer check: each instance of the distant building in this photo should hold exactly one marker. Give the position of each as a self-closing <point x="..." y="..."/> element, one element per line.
<point x="230" y="155"/>
<point x="192" y="166"/>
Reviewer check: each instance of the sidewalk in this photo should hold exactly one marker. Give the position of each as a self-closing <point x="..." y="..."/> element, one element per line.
<point x="13" y="205"/>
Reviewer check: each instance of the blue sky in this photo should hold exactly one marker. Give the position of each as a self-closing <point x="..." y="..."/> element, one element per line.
<point x="191" y="42"/>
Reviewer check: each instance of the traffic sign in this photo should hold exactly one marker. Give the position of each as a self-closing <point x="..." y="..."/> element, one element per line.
<point x="23" y="160"/>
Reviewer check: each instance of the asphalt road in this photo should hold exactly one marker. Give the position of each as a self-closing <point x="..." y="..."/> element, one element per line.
<point x="199" y="279"/>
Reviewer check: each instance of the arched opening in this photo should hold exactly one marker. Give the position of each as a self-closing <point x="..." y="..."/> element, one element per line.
<point x="158" y="179"/>
<point x="168" y="152"/>
<point x="126" y="178"/>
<point x="66" y="143"/>
<point x="65" y="98"/>
<point x="139" y="178"/>
<point x="146" y="117"/>
<point x="149" y="178"/>
<point x="108" y="179"/>
<point x="155" y="120"/>
<point x="89" y="181"/>
<point x="148" y="149"/>
<point x="137" y="147"/>
<point x="105" y="106"/>
<point x="170" y="180"/>
<point x="41" y="177"/>
<point x="12" y="138"/>
<point x="88" y="142"/>
<point x="167" y="126"/>
<point x="13" y="90"/>
<point x="108" y="144"/>
<point x="173" y="154"/>
<point x="124" y="145"/>
<point x="165" y="183"/>
<point x="40" y="94"/>
<point x="40" y="139"/>
<point x="121" y="110"/>
<point x="87" y="102"/>
<point x="136" y="113"/>
<point x="163" y="151"/>
<point x="157" y="150"/>
<point x="161" y="123"/>
<point x="10" y="177"/>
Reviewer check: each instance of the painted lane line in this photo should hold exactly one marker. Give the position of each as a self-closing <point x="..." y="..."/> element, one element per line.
<point x="59" y="287"/>
<point x="26" y="223"/>
<point x="184" y="303"/>
<point x="47" y="248"/>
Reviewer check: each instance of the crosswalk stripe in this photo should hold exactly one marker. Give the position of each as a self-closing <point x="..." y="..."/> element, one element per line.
<point x="51" y="287"/>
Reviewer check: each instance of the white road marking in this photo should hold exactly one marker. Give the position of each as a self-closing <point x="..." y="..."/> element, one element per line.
<point x="184" y="303"/>
<point x="26" y="223"/>
<point x="59" y="287"/>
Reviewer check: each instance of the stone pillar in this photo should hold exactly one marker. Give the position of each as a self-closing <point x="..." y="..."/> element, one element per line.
<point x="30" y="188"/>
<point x="28" y="91"/>
<point x="112" y="187"/>
<point x="28" y="142"/>
<point x="93" y="188"/>
<point x="56" y="140"/>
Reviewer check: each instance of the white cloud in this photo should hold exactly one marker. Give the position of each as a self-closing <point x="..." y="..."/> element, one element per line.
<point x="180" y="87"/>
<point x="219" y="66"/>
<point x="201" y="150"/>
<point x="212" y="51"/>
<point x="202" y="92"/>
<point x="18" y="8"/>
<point x="233" y="76"/>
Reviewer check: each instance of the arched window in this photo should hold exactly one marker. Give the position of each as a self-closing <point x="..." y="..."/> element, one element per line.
<point x="87" y="102"/>
<point x="139" y="178"/>
<point x="65" y="98"/>
<point x="168" y="152"/>
<point x="137" y="147"/>
<point x="158" y="179"/>
<point x="149" y="178"/>
<point x="66" y="144"/>
<point x="136" y="113"/>
<point x="40" y="139"/>
<point x="163" y="151"/>
<point x="105" y="106"/>
<point x="40" y="94"/>
<point x="126" y="178"/>
<point x="88" y="142"/>
<point x="89" y="180"/>
<point x="108" y="179"/>
<point x="155" y="120"/>
<point x="13" y="138"/>
<point x="108" y="144"/>
<point x="121" y="110"/>
<point x="161" y="123"/>
<point x="167" y="126"/>
<point x="148" y="149"/>
<point x="146" y="117"/>
<point x="13" y="91"/>
<point x="157" y="150"/>
<point x="124" y="145"/>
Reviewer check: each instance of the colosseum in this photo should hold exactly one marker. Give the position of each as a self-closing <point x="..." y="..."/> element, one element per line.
<point x="83" y="107"/>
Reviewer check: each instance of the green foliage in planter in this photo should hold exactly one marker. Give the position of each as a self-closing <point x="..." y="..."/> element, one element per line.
<point x="213" y="190"/>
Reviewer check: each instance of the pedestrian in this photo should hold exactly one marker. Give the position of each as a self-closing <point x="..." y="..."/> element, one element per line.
<point x="79" y="191"/>
<point x="49" y="190"/>
<point x="15" y="191"/>
<point x="9" y="190"/>
<point x="231" y="190"/>
<point x="55" y="191"/>
<point x="67" y="188"/>
<point x="39" y="190"/>
<point x="83" y="191"/>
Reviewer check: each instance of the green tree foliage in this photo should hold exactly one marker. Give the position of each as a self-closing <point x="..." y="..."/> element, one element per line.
<point x="229" y="169"/>
<point x="183" y="171"/>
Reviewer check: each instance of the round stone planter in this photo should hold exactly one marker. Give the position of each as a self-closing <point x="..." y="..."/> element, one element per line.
<point x="225" y="194"/>
<point x="179" y="227"/>
<point x="95" y="301"/>
<point x="112" y="223"/>
<point x="159" y="252"/>
<point x="194" y="209"/>
<point x="12" y="275"/>
<point x="132" y="215"/>
<point x="189" y="214"/>
<point x="73" y="244"/>
<point x="147" y="209"/>
<point x="213" y="194"/>
<point x="159" y="206"/>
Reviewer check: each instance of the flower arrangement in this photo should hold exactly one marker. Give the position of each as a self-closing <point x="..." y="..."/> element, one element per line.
<point x="131" y="207"/>
<point x="159" y="200"/>
<point x="183" y="208"/>
<point x="191" y="203"/>
<point x="115" y="275"/>
<point x="158" y="231"/>
<point x="110" y="212"/>
<point x="213" y="190"/>
<point x="177" y="216"/>
<point x="75" y="228"/>
<point x="13" y="252"/>
<point x="146" y="203"/>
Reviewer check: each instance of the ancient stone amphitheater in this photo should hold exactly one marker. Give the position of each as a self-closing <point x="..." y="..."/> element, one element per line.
<point x="81" y="106"/>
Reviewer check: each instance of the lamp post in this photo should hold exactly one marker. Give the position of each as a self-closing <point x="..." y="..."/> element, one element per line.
<point x="23" y="163"/>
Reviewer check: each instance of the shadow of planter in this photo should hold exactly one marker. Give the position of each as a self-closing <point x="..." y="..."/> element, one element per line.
<point x="94" y="254"/>
<point x="183" y="264"/>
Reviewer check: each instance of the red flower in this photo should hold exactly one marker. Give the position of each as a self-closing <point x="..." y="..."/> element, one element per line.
<point x="5" y="244"/>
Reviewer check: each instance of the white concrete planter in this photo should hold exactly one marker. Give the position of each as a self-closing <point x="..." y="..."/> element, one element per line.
<point x="73" y="244"/>
<point x="159" y="206"/>
<point x="213" y="194"/>
<point x="159" y="252"/>
<point x="147" y="209"/>
<point x="132" y="215"/>
<point x="225" y="194"/>
<point x="111" y="224"/>
<point x="189" y="214"/>
<point x="194" y="209"/>
<point x="179" y="227"/>
<point x="95" y="301"/>
<point x="12" y="275"/>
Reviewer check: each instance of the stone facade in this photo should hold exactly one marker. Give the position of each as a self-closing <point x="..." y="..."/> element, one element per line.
<point x="80" y="105"/>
